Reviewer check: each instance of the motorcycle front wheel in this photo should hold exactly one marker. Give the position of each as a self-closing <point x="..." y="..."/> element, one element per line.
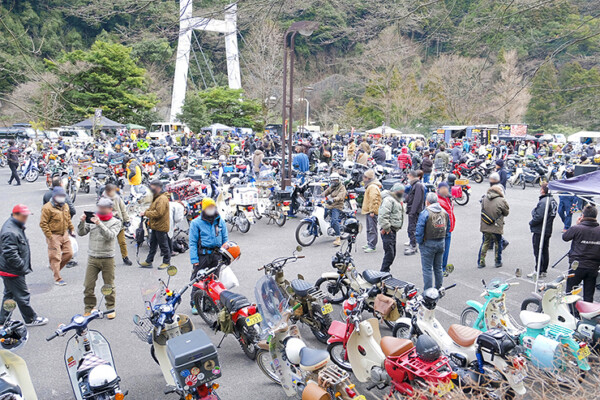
<point x="462" y="200"/>
<point x="248" y="338"/>
<point x="477" y="177"/>
<point x="303" y="235"/>
<point x="265" y="363"/>
<point x="337" y="291"/>
<point x="242" y="222"/>
<point x="207" y="309"/>
<point x="281" y="218"/>
<point x="32" y="176"/>
<point x="402" y="331"/>
<point x="532" y="304"/>
<point x="324" y="321"/>
<point x="339" y="356"/>
<point x="469" y="316"/>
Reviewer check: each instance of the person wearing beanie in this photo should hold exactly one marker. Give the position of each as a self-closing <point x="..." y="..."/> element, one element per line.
<point x="445" y="200"/>
<point x="415" y="202"/>
<point x="370" y="208"/>
<point x="103" y="231"/>
<point x="391" y="219"/>
<point x="502" y="173"/>
<point x="207" y="234"/>
<point x="159" y="221"/>
<point x="56" y="225"/>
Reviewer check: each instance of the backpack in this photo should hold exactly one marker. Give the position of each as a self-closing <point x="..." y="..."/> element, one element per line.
<point x="180" y="245"/>
<point x="436" y="226"/>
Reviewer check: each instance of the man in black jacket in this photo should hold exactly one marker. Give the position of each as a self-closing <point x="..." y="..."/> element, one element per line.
<point x="12" y="157"/>
<point x="56" y="182"/>
<point x="536" y="225"/>
<point x="585" y="249"/>
<point x="15" y="263"/>
<point x="415" y="203"/>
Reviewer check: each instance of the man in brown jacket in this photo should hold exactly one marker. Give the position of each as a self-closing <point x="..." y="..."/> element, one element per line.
<point x="158" y="220"/>
<point x="494" y="208"/>
<point x="56" y="225"/>
<point x="370" y="208"/>
<point x="335" y="195"/>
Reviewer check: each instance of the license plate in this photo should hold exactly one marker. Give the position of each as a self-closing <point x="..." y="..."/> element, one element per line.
<point x="444" y="388"/>
<point x="253" y="319"/>
<point x="326" y="309"/>
<point x="583" y="352"/>
<point x="285" y="208"/>
<point x="361" y="397"/>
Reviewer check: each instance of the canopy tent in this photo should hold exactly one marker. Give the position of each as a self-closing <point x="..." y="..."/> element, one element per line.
<point x="577" y="137"/>
<point x="584" y="185"/>
<point x="134" y="126"/>
<point x="214" y="128"/>
<point x="384" y="130"/>
<point x="102" y="123"/>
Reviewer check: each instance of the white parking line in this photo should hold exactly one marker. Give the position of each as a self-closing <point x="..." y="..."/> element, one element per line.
<point x="85" y="205"/>
<point x="480" y="290"/>
<point x="447" y="312"/>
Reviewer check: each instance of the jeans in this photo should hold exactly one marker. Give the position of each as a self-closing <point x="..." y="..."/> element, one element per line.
<point x="564" y="211"/>
<point x="14" y="174"/>
<point x="588" y="277"/>
<point x="432" y="252"/>
<point x="446" y="250"/>
<point x="412" y="228"/>
<point x="16" y="289"/>
<point x="204" y="261"/>
<point x="426" y="178"/>
<point x="372" y="231"/>
<point x="96" y="266"/>
<point x="159" y="239"/>
<point x="488" y="240"/>
<point x="389" y="248"/>
<point x="543" y="263"/>
<point x="335" y="219"/>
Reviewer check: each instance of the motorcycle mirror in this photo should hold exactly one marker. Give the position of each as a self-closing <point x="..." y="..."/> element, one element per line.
<point x="137" y="320"/>
<point x="172" y="270"/>
<point x="106" y="290"/>
<point x="299" y="248"/>
<point x="9" y="305"/>
<point x="518" y="273"/>
<point x="483" y="282"/>
<point x="575" y="265"/>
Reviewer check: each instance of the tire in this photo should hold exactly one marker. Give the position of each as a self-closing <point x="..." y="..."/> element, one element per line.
<point x="324" y="320"/>
<point x="303" y="236"/>
<point x="248" y="338"/>
<point x="468" y="316"/>
<point x="265" y="363"/>
<point x="72" y="192"/>
<point x="477" y="177"/>
<point x="523" y="183"/>
<point x="86" y="189"/>
<point x="242" y="222"/>
<point x="153" y="354"/>
<point x="257" y="214"/>
<point x="207" y="309"/>
<point x="337" y="352"/>
<point x="281" y="220"/>
<point x="2" y="162"/>
<point x="402" y="331"/>
<point x="463" y="200"/>
<point x="532" y="304"/>
<point x="32" y="176"/>
<point x="337" y="292"/>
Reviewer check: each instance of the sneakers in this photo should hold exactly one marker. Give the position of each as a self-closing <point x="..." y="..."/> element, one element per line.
<point x="533" y="275"/>
<point x="498" y="265"/>
<point x="407" y="243"/>
<point x="127" y="261"/>
<point x="410" y="251"/>
<point x="163" y="266"/>
<point x="112" y="315"/>
<point x="60" y="283"/>
<point x="194" y="310"/>
<point x="366" y="246"/>
<point x="337" y="242"/>
<point x="505" y="244"/>
<point x="543" y="275"/>
<point x="370" y="250"/>
<point x="145" y="264"/>
<point x="39" y="321"/>
<point x="71" y="264"/>
<point x="480" y="266"/>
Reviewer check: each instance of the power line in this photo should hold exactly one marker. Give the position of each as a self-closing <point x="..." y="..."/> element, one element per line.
<point x="205" y="60"/>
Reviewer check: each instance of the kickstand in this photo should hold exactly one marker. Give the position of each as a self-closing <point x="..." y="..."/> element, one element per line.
<point x="221" y="342"/>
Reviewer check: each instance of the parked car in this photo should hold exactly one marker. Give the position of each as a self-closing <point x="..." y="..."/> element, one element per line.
<point x="74" y="135"/>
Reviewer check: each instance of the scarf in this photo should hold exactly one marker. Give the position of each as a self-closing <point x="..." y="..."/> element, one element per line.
<point x="105" y="217"/>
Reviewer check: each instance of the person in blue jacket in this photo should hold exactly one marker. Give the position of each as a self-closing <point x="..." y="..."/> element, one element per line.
<point x="300" y="161"/>
<point x="208" y="232"/>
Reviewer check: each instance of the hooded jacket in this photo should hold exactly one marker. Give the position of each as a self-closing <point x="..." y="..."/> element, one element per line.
<point x="496" y="207"/>
<point x="102" y="237"/>
<point x="372" y="198"/>
<point x="537" y="215"/>
<point x="158" y="213"/>
<point x="15" y="256"/>
<point x="585" y="246"/>
<point x="422" y="233"/>
<point x="404" y="160"/>
<point x="337" y="194"/>
<point x="391" y="211"/>
<point x="206" y="236"/>
<point x="119" y="208"/>
<point x="257" y="158"/>
<point x="55" y="219"/>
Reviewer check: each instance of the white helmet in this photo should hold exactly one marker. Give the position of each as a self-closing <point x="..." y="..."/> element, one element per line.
<point x="293" y="346"/>
<point x="334" y="176"/>
<point x="102" y="375"/>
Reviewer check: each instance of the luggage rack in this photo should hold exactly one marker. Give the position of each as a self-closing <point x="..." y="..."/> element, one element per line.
<point x="332" y="375"/>
<point x="317" y="294"/>
<point x="393" y="283"/>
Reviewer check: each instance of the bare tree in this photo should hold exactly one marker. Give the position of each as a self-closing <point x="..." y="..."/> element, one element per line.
<point x="511" y="97"/>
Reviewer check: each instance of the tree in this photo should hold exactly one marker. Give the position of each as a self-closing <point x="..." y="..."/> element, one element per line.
<point x="109" y="78"/>
<point x="221" y="105"/>
<point x="511" y="95"/>
<point x="545" y="97"/>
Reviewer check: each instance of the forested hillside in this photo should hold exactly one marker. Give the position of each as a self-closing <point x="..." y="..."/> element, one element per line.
<point x="412" y="64"/>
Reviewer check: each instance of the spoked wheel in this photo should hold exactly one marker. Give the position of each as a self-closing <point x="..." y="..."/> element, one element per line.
<point x="257" y="214"/>
<point x="339" y="355"/>
<point x="249" y="336"/>
<point x="242" y="222"/>
<point x="32" y="176"/>
<point x="207" y="309"/>
<point x="324" y="322"/>
<point x="281" y="218"/>
<point x="462" y="200"/>
<point x="303" y="235"/>
<point x="337" y="291"/>
<point x="402" y="331"/>
<point x="469" y="317"/>
<point x="532" y="304"/>
<point x="477" y="177"/>
<point x="265" y="363"/>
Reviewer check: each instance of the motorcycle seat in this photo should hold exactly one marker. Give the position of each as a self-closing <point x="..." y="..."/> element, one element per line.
<point x="301" y="288"/>
<point x="588" y="310"/>
<point x="87" y="364"/>
<point x="375" y="277"/>
<point x="463" y="335"/>
<point x="233" y="301"/>
<point x="313" y="359"/>
<point x="394" y="347"/>
<point x="8" y="388"/>
<point x="534" y="320"/>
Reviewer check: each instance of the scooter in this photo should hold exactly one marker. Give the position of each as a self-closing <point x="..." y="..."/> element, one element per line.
<point x="89" y="359"/>
<point x="310" y="228"/>
<point x="238" y="216"/>
<point x="274" y="204"/>
<point x="15" y="381"/>
<point x="187" y="358"/>
<point x="30" y="171"/>
<point x="485" y="362"/>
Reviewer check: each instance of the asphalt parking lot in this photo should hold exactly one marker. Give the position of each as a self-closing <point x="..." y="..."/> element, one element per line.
<point x="241" y="378"/>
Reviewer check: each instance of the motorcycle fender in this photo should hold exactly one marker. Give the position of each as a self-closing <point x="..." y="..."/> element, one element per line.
<point x="17" y="369"/>
<point x="263" y="345"/>
<point x="404" y="320"/>
<point x="310" y="219"/>
<point x="501" y="365"/>
<point x="160" y="351"/>
<point x="330" y="275"/>
<point x="544" y="352"/>
<point x="475" y="304"/>
<point x="200" y="285"/>
<point x="367" y="338"/>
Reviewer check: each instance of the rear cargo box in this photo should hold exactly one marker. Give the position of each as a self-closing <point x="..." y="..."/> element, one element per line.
<point x="193" y="358"/>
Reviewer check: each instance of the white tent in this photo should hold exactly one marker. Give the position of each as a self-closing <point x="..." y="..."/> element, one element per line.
<point x="576" y="137"/>
<point x="214" y="128"/>
<point x="384" y="130"/>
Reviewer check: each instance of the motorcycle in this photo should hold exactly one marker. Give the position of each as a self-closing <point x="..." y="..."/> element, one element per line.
<point x="357" y="345"/>
<point x="187" y="358"/>
<point x="314" y="306"/>
<point x="88" y="358"/>
<point x="489" y="361"/>
<point x="235" y="213"/>
<point x="286" y="360"/>
<point x="310" y="228"/>
<point x="15" y="381"/>
<point x="30" y="170"/>
<point x="274" y="204"/>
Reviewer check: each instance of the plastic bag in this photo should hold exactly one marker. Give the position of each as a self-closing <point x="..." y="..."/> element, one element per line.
<point x="74" y="246"/>
<point x="228" y="278"/>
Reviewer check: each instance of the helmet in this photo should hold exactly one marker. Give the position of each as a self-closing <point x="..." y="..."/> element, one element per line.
<point x="18" y="334"/>
<point x="222" y="158"/>
<point x="351" y="226"/>
<point x="427" y="348"/>
<point x="230" y="251"/>
<point x="102" y="375"/>
<point x="334" y="176"/>
<point x="207" y="202"/>
<point x="293" y="347"/>
<point x="451" y="179"/>
<point x="430" y="298"/>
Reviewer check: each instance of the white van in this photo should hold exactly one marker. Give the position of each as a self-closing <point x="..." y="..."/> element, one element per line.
<point x="159" y="130"/>
<point x="74" y="135"/>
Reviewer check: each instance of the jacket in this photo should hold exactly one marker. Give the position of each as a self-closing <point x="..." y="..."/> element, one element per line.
<point x="55" y="220"/>
<point x="176" y="215"/>
<point x="537" y="215"/>
<point x="134" y="173"/>
<point x="12" y="155"/>
<point x="503" y="177"/>
<point x="15" y="255"/>
<point x="415" y="199"/>
<point x="257" y="158"/>
<point x="496" y="207"/>
<point x="448" y="206"/>
<point x="206" y="237"/>
<point x="300" y="162"/>
<point x="421" y="232"/>
<point x="427" y="165"/>
<point x="48" y="196"/>
<point x="336" y="194"/>
<point x="362" y="158"/>
<point x="350" y="151"/>
<point x="119" y="208"/>
<point x="379" y="156"/>
<point x="585" y="246"/>
<point x="442" y="160"/>
<point x="404" y="159"/>
<point x="102" y="237"/>
<point x="372" y="198"/>
<point x="391" y="213"/>
<point x="158" y="213"/>
<point x="364" y="146"/>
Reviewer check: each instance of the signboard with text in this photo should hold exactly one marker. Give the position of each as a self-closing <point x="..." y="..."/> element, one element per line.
<point x="512" y="131"/>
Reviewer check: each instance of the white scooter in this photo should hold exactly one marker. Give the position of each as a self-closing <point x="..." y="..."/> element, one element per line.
<point x="89" y="359"/>
<point x="15" y="382"/>
<point x="480" y="359"/>
<point x="238" y="215"/>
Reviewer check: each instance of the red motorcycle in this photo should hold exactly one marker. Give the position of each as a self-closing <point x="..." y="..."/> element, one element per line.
<point x="226" y="311"/>
<point x="469" y="170"/>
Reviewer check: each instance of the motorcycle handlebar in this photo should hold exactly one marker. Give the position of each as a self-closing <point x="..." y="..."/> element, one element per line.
<point x="54" y="335"/>
<point x="450" y="287"/>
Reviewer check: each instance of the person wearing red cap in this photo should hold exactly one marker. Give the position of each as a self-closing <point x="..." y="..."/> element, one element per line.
<point x="15" y="263"/>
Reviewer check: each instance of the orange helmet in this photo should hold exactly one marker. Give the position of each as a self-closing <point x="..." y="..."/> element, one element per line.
<point x="230" y="251"/>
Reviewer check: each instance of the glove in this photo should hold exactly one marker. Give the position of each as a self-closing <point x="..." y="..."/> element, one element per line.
<point x="329" y="202"/>
<point x="195" y="265"/>
<point x="127" y="224"/>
